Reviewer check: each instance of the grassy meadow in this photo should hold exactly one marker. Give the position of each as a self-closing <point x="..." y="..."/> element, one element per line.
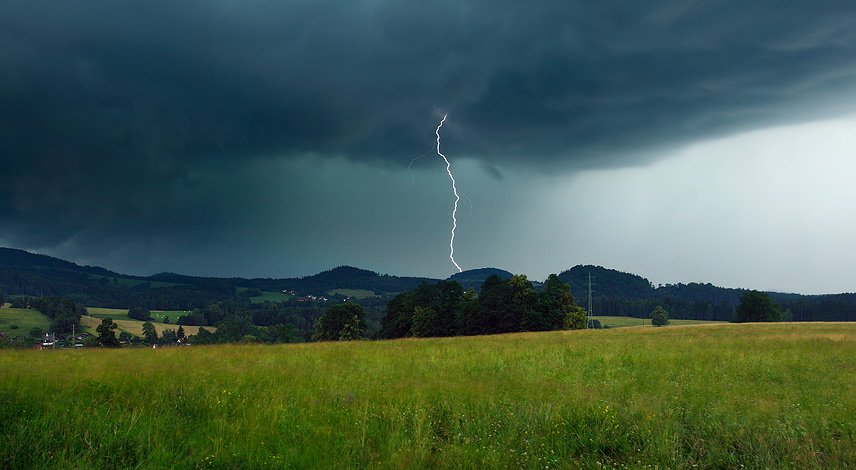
<point x="622" y="322"/>
<point x="356" y="293"/>
<point x="270" y="297"/>
<point x="778" y="396"/>
<point x="135" y="327"/>
<point x="23" y="318"/>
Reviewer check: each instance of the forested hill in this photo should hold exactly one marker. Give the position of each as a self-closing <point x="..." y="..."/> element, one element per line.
<point x="35" y="275"/>
<point x="619" y="293"/>
<point x="475" y="277"/>
<point x="614" y="292"/>
<point x="606" y="283"/>
<point x="12" y="258"/>
<point x="348" y="277"/>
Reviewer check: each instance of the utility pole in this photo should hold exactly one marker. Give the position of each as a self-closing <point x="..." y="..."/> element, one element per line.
<point x="589" y="312"/>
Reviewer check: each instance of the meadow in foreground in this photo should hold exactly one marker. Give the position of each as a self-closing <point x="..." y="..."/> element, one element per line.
<point x="716" y="396"/>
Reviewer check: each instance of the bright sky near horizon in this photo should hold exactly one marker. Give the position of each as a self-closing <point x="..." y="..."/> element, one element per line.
<point x="680" y="141"/>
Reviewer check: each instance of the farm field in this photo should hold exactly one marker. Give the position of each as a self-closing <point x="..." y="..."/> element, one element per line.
<point x="777" y="396"/>
<point x="356" y="293"/>
<point x="621" y="322"/>
<point x="23" y="318"/>
<point x="122" y="314"/>
<point x="135" y="327"/>
<point x="268" y="296"/>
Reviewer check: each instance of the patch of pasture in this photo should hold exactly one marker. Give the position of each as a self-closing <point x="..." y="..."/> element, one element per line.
<point x="268" y="296"/>
<point x="135" y="327"/>
<point x="114" y="313"/>
<point x="623" y="322"/>
<point x="356" y="293"/>
<point x="25" y="319"/>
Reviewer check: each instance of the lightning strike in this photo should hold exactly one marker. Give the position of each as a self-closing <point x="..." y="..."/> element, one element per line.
<point x="457" y="198"/>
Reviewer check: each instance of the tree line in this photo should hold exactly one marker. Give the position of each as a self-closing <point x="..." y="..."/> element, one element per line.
<point x="502" y="306"/>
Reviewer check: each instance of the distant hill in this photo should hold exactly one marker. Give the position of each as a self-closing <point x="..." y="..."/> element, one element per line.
<point x="606" y="283"/>
<point x="35" y="275"/>
<point x="348" y="277"/>
<point x="614" y="292"/>
<point x="475" y="277"/>
<point x="12" y="258"/>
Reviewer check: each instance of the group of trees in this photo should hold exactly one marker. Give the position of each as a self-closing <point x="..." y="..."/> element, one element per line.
<point x="64" y="313"/>
<point x="302" y="315"/>
<point x="341" y="322"/>
<point x="502" y="306"/>
<point x="757" y="306"/>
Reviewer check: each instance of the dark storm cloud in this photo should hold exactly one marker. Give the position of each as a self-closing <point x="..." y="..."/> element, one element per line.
<point x="111" y="112"/>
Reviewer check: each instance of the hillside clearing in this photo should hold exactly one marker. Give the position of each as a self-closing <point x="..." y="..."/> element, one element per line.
<point x="135" y="327"/>
<point x="355" y="293"/>
<point x="24" y="319"/>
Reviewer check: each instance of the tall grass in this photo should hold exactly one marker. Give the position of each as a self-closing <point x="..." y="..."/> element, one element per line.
<point x="717" y="396"/>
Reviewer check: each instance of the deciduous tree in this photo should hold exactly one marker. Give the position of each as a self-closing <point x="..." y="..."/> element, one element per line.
<point x="341" y="322"/>
<point x="150" y="334"/>
<point x="107" y="333"/>
<point x="659" y="317"/>
<point x="757" y="306"/>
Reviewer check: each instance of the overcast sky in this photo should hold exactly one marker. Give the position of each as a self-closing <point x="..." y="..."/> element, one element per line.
<point x="684" y="141"/>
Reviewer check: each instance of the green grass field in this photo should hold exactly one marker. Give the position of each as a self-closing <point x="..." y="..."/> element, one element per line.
<point x="779" y="396"/>
<point x="25" y="319"/>
<point x="135" y="327"/>
<point x="356" y="293"/>
<point x="621" y="322"/>
<point x="270" y="297"/>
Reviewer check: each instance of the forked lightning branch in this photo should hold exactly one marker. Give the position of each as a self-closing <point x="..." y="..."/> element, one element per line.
<point x="457" y="198"/>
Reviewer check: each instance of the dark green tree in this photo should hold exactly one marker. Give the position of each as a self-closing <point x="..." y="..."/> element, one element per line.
<point x="398" y="321"/>
<point x="150" y="334"/>
<point x="168" y="337"/>
<point x="283" y="333"/>
<point x="659" y="317"/>
<point x="107" y="334"/>
<point x="341" y="322"/>
<point x="180" y="333"/>
<point x="204" y="337"/>
<point x="757" y="306"/>
<point x="125" y="336"/>
<point x="576" y="319"/>
<point x="140" y="313"/>
<point x="36" y="332"/>
<point x="426" y="323"/>
<point x="469" y="313"/>
<point x="557" y="306"/>
<point x="507" y="305"/>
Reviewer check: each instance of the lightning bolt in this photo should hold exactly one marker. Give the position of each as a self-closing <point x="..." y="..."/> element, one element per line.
<point x="413" y="178"/>
<point x="457" y="198"/>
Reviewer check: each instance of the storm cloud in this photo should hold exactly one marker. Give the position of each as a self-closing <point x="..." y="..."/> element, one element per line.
<point x="140" y="119"/>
